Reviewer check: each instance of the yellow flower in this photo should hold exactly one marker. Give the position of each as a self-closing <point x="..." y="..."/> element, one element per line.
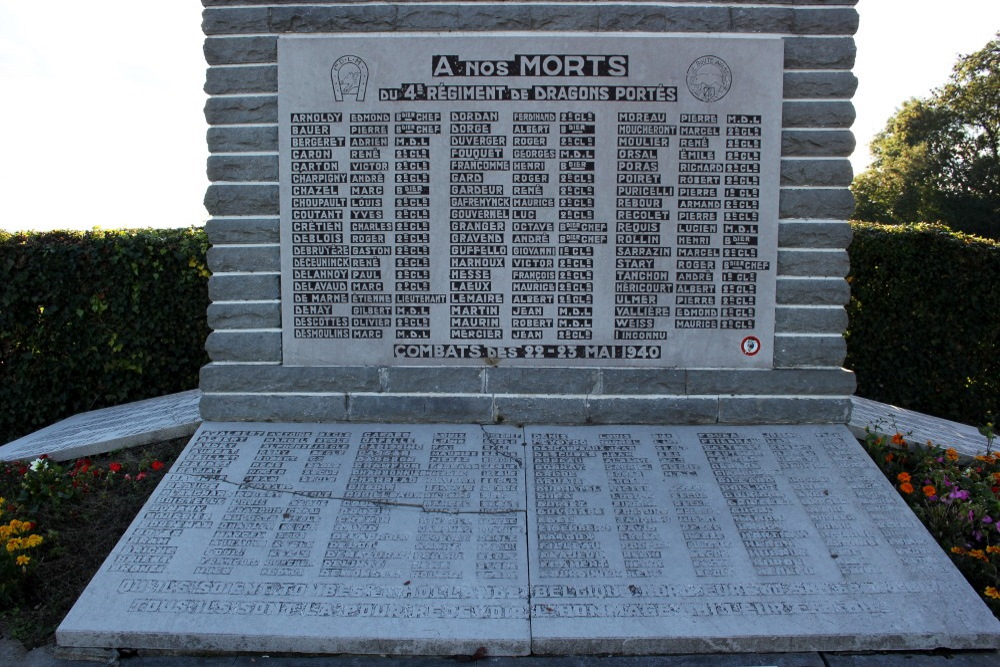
<point x="951" y="453"/>
<point x="23" y="560"/>
<point x="33" y="541"/>
<point x="993" y="549"/>
<point x="992" y="592"/>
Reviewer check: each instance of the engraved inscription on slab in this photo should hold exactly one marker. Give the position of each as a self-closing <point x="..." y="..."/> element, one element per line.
<point x="668" y="539"/>
<point x="441" y="539"/>
<point x="336" y="539"/>
<point x="535" y="199"/>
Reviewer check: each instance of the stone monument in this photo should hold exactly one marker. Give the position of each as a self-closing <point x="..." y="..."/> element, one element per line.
<point x="527" y="339"/>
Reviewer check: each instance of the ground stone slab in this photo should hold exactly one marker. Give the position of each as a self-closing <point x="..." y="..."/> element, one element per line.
<point x="443" y="539"/>
<point x="916" y="427"/>
<point x="108" y="429"/>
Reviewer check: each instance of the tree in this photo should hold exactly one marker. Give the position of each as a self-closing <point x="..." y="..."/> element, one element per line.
<point x="938" y="159"/>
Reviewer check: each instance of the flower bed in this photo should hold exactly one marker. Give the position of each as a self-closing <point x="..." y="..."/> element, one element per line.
<point x="956" y="498"/>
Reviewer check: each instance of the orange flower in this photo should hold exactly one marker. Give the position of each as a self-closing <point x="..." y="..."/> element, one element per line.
<point x="951" y="453"/>
<point x="898" y="439"/>
<point x="958" y="550"/>
<point x="889" y="457"/>
<point x="929" y="491"/>
<point x="993" y="549"/>
<point x="992" y="592"/>
<point x="903" y="477"/>
<point x="978" y="553"/>
<point x="906" y="487"/>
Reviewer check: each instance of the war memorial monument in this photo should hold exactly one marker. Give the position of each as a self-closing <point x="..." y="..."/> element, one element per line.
<point x="528" y="339"/>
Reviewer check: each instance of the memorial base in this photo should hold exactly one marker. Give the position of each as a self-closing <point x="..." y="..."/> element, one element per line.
<point x="444" y="539"/>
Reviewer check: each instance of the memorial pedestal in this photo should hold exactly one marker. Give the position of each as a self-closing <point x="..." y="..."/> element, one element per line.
<point x="430" y="539"/>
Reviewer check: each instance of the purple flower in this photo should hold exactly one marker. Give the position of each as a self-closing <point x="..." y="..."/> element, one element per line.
<point x="960" y="494"/>
<point x="987" y="519"/>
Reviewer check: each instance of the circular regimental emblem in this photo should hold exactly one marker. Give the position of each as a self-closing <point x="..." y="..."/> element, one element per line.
<point x="709" y="78"/>
<point x="750" y="345"/>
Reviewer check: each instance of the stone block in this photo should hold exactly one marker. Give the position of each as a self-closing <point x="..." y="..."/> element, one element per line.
<point x="244" y="345"/>
<point x="798" y="350"/>
<point x="565" y="17"/>
<point x="830" y="382"/>
<point x="826" y="21"/>
<point x="235" y="168"/>
<point x="777" y="410"/>
<point x="820" y="52"/>
<point x="810" y="319"/>
<point x="427" y="17"/>
<point x="241" y="50"/>
<point x="776" y="20"/>
<point x="812" y="291"/>
<point x="254" y="139"/>
<point x="489" y="16"/>
<point x="420" y="408"/>
<point x="246" y="109"/>
<point x="817" y="143"/>
<point x="813" y="262"/>
<point x="823" y="172"/>
<point x="814" y="234"/>
<point x="235" y="20"/>
<point x="244" y="315"/>
<point x="244" y="258"/>
<point x="539" y="409"/>
<point x="433" y="380"/>
<point x="242" y="230"/>
<point x="325" y="408"/>
<point x="623" y="381"/>
<point x="834" y="113"/>
<point x="255" y="287"/>
<point x="237" y="199"/>
<point x="241" y="79"/>
<point x="275" y="379"/>
<point x="511" y="380"/>
<point x="361" y="17"/>
<point x="652" y="410"/>
<point x="828" y="203"/>
<point x="820" y="85"/>
<point x="108" y="429"/>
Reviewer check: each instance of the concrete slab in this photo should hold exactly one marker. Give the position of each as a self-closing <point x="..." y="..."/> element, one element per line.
<point x="441" y="539"/>
<point x="693" y="539"/>
<point x="887" y="420"/>
<point x="108" y="429"/>
<point x="323" y="539"/>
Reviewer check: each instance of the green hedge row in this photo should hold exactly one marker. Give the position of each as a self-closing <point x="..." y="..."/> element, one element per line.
<point x="924" y="329"/>
<point x="100" y="318"/>
<point x="92" y="319"/>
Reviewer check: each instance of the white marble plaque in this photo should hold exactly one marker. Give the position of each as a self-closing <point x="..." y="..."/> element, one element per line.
<point x="108" y="429"/>
<point x="677" y="539"/>
<point x="538" y="199"/>
<point x="330" y="539"/>
<point x="555" y="540"/>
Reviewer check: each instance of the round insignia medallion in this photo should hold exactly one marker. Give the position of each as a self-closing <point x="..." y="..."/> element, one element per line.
<point x="709" y="78"/>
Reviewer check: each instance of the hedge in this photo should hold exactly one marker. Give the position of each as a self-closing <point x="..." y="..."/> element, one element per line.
<point x="93" y="319"/>
<point x="101" y="318"/>
<point x="925" y="320"/>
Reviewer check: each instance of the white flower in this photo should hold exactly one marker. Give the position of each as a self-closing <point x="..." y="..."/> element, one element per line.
<point x="39" y="464"/>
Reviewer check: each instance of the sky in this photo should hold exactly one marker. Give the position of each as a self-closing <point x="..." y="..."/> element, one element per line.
<point x="103" y="124"/>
